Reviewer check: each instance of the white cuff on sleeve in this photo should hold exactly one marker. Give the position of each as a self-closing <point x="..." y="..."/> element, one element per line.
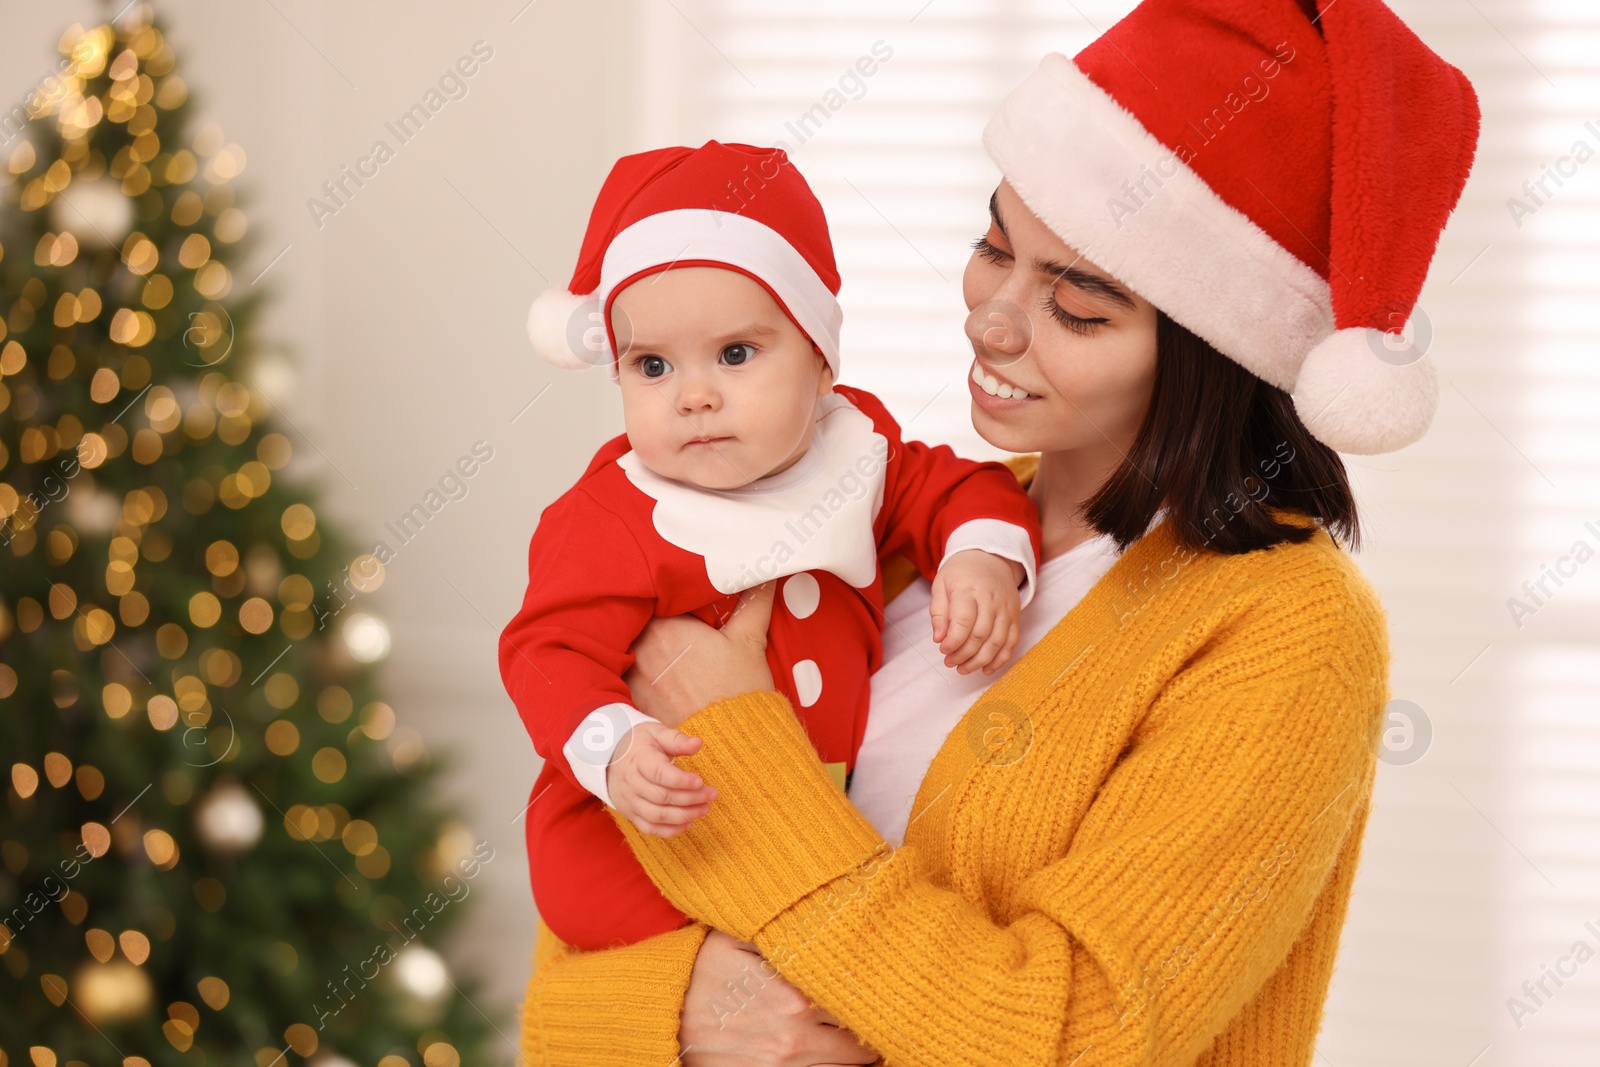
<point x="594" y="742"/>
<point x="998" y="538"/>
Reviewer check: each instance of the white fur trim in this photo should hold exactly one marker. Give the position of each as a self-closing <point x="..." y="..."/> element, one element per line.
<point x="1361" y="393"/>
<point x="562" y="333"/>
<point x="699" y="233"/>
<point x="1067" y="147"/>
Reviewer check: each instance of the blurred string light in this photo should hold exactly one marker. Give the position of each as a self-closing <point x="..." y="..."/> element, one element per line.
<point x="228" y="819"/>
<point x="421" y="972"/>
<point x="367" y="637"/>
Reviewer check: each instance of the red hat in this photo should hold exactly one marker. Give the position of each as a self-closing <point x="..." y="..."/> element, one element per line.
<point x="720" y="205"/>
<point x="1273" y="181"/>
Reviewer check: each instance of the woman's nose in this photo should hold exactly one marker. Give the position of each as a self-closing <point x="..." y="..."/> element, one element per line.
<point x="1000" y="328"/>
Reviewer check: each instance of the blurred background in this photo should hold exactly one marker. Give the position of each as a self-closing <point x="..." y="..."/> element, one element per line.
<point x="397" y="311"/>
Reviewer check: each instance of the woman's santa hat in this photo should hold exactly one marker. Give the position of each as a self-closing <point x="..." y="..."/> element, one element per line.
<point x="733" y="206"/>
<point x="1273" y="175"/>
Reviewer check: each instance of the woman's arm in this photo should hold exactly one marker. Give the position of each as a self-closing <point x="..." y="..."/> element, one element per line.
<point x="694" y="987"/>
<point x="616" y="1008"/>
<point x="1190" y="878"/>
<point x="690" y="997"/>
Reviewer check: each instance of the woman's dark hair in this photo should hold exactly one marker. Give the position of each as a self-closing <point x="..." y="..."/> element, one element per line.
<point x="1219" y="446"/>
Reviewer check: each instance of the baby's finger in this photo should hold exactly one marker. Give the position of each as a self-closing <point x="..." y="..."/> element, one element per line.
<point x="676" y="742"/>
<point x="658" y="769"/>
<point x="963" y="614"/>
<point x="939" y="610"/>
<point x="991" y="648"/>
<point x="671" y="816"/>
<point x="1005" y="653"/>
<point x="627" y="805"/>
<point x="968" y="649"/>
<point x="980" y="634"/>
<point x="679" y="798"/>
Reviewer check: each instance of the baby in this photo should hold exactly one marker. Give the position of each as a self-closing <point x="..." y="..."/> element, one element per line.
<point x="714" y="308"/>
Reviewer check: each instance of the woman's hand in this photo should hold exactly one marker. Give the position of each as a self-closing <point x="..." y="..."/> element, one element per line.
<point x="680" y="664"/>
<point x="739" y="1012"/>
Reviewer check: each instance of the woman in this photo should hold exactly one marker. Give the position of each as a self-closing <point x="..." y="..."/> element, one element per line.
<point x="1137" y="846"/>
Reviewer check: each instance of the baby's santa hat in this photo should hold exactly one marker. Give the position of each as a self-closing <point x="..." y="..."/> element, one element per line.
<point x="1277" y="190"/>
<point x="733" y="206"/>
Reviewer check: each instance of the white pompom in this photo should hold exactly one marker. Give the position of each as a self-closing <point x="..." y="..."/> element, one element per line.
<point x="1364" y="392"/>
<point x="566" y="330"/>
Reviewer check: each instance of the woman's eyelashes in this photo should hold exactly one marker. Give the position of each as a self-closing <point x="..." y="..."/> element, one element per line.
<point x="1076" y="323"/>
<point x="989" y="251"/>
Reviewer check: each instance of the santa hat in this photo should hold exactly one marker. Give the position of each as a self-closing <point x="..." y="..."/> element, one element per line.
<point x="1273" y="180"/>
<point x="733" y="206"/>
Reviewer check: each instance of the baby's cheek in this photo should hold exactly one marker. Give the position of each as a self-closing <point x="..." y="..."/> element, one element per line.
<point x="651" y="449"/>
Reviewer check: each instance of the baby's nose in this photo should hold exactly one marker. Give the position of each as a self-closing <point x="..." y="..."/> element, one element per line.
<point x="697" y="394"/>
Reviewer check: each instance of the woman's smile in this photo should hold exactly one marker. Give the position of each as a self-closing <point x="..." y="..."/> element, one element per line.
<point x="994" y="394"/>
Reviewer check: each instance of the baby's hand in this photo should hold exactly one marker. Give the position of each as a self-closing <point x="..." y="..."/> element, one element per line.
<point x="976" y="609"/>
<point x="657" y="795"/>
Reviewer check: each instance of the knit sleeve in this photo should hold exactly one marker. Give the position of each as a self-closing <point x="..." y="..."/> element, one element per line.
<point x="618" y="1007"/>
<point x="1183" y="889"/>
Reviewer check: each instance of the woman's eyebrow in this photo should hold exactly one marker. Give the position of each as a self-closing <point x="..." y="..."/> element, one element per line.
<point x="994" y="213"/>
<point x="1089" y="283"/>
<point x="1065" y="272"/>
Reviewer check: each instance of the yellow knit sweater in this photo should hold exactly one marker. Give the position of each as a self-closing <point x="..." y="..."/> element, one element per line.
<point x="1136" y="848"/>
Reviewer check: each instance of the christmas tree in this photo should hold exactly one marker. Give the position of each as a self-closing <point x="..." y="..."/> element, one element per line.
<point x="217" y="846"/>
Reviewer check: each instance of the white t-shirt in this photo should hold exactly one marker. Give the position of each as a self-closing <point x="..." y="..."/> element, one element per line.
<point x="917" y="700"/>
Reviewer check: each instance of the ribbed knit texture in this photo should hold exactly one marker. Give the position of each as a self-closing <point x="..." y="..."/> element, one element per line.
<point x="616" y="1008"/>
<point x="1137" y="848"/>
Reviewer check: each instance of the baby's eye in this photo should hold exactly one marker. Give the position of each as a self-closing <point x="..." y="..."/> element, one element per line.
<point x="737" y="353"/>
<point x="652" y="366"/>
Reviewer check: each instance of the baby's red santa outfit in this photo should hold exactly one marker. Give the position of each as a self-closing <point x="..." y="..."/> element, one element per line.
<point x="625" y="545"/>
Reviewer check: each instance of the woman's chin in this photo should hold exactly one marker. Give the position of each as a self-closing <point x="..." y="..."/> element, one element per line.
<point x="1005" y="422"/>
<point x="1006" y="433"/>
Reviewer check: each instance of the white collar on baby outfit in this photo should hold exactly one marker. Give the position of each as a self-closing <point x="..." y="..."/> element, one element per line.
<point x="817" y="515"/>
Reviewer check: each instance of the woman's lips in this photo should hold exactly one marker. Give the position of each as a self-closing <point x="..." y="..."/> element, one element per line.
<point x="992" y="402"/>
